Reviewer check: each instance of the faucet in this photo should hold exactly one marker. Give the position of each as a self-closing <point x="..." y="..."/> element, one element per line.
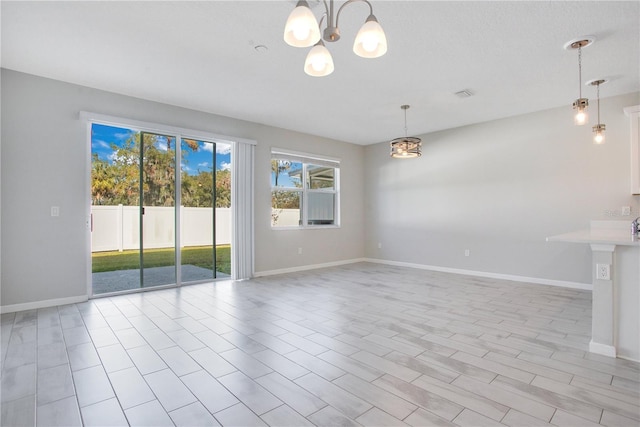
<point x="635" y="227"/>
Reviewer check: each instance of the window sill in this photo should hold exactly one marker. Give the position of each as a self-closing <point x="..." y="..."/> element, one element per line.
<point x="312" y="227"/>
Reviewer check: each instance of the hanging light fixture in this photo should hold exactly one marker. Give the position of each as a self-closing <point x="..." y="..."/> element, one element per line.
<point x="599" y="128"/>
<point x="581" y="104"/>
<point x="302" y="30"/>
<point x="407" y="147"/>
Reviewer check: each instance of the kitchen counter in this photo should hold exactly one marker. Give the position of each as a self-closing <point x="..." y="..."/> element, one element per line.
<point x="603" y="236"/>
<point x="615" y="269"/>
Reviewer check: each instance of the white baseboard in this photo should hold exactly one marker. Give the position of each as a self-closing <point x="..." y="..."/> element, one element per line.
<point x="536" y="280"/>
<point x="627" y="358"/>
<point x="306" y="267"/>
<point x="575" y="285"/>
<point x="603" y="349"/>
<point x="42" y="304"/>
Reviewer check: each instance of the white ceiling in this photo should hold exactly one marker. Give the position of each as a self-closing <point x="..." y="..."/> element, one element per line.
<point x="201" y="55"/>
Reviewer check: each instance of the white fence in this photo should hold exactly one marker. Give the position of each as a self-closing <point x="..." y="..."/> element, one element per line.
<point x="285" y="217"/>
<point x="117" y="228"/>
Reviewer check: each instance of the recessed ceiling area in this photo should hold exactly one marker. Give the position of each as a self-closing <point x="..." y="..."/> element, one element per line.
<point x="204" y="56"/>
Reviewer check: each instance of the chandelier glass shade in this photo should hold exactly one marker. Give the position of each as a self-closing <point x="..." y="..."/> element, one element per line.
<point x="319" y="61"/>
<point x="303" y="30"/>
<point x="370" y="41"/>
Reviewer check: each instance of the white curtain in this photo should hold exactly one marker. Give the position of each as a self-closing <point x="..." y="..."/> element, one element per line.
<point x="242" y="264"/>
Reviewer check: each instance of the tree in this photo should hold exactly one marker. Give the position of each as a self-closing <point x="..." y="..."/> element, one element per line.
<point x="278" y="167"/>
<point x="102" y="182"/>
<point x="159" y="171"/>
<point x="283" y="198"/>
<point x="117" y="180"/>
<point x="223" y="188"/>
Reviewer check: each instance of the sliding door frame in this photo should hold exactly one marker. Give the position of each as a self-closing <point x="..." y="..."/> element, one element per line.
<point x="179" y="133"/>
<point x="177" y="259"/>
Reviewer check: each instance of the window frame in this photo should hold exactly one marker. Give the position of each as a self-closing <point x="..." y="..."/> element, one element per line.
<point x="307" y="160"/>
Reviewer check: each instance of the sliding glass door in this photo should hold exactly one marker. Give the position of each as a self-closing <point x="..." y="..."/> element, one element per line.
<point x="160" y="211"/>
<point x="197" y="247"/>
<point x="157" y="213"/>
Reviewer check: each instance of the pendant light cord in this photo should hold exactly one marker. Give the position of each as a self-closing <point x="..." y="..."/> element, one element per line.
<point x="580" y="71"/>
<point x="405" y="122"/>
<point x="598" y="92"/>
<point x="405" y="108"/>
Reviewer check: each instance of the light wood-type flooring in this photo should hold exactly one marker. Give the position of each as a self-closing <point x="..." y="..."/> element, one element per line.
<point x="361" y="344"/>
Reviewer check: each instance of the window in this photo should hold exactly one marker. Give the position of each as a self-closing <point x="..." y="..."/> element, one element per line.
<point x="304" y="190"/>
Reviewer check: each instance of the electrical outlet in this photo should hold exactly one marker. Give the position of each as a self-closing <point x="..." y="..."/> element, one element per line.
<point x="299" y="251"/>
<point x="379" y="245"/>
<point x="603" y="271"/>
<point x="467" y="252"/>
<point x="626" y="210"/>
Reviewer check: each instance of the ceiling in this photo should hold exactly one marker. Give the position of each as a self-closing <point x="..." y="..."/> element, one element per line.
<point x="201" y="55"/>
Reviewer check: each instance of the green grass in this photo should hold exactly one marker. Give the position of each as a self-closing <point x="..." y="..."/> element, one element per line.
<point x="201" y="256"/>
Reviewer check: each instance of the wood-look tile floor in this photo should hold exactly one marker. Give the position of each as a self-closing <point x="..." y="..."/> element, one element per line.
<point x="362" y="344"/>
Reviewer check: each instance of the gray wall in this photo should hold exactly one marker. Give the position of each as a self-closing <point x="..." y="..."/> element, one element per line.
<point x="278" y="249"/>
<point x="498" y="189"/>
<point x="45" y="156"/>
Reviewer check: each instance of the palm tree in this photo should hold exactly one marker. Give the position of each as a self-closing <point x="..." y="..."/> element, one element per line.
<point x="278" y="167"/>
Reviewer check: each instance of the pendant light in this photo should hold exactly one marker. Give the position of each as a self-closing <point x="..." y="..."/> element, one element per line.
<point x="599" y="128"/>
<point x="581" y="104"/>
<point x="407" y="147"/>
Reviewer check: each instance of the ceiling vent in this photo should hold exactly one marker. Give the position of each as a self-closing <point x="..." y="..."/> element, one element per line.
<point x="464" y="94"/>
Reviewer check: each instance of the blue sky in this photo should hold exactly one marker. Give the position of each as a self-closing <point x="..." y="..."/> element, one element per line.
<point x="284" y="180"/>
<point x="103" y="137"/>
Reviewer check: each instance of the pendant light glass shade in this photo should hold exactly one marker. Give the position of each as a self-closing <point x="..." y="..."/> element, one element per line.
<point x="581" y="115"/>
<point x="598" y="137"/>
<point x="319" y="62"/>
<point x="371" y="41"/>
<point x="407" y="147"/>
<point x="301" y="29"/>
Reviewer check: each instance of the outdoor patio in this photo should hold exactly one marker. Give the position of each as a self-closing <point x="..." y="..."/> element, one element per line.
<point x="123" y="280"/>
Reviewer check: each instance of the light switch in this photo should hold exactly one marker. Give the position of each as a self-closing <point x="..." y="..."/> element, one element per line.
<point x="55" y="210"/>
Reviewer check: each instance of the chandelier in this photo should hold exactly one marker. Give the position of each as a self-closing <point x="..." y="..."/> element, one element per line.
<point x="302" y="30"/>
<point x="407" y="147"/>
